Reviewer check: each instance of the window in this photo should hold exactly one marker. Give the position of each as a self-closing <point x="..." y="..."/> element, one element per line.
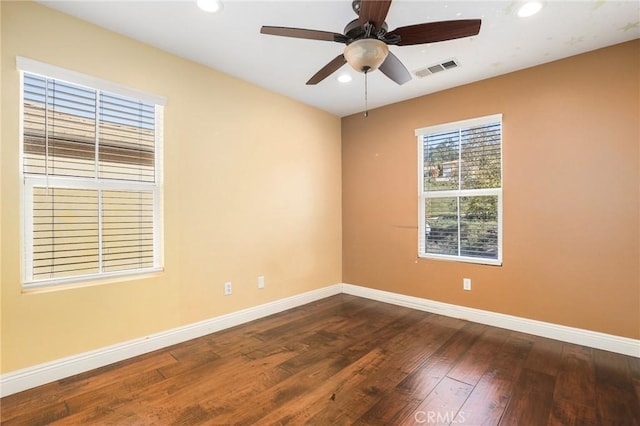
<point x="91" y="166"/>
<point x="460" y="169"/>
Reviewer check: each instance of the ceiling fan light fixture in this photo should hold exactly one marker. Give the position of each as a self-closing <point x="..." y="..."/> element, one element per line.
<point x="211" y="6"/>
<point x="344" y="78"/>
<point x="366" y="54"/>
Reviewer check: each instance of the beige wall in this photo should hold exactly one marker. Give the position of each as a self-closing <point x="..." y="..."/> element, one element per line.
<point x="252" y="187"/>
<point x="571" y="194"/>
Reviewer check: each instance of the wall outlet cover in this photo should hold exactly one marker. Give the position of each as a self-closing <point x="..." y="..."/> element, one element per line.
<point x="466" y="284"/>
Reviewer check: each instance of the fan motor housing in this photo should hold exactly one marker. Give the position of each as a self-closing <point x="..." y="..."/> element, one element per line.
<point x="354" y="30"/>
<point x="355" y="5"/>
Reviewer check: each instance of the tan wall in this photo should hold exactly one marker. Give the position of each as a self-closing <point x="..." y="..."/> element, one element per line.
<point x="571" y="194"/>
<point x="252" y="187"/>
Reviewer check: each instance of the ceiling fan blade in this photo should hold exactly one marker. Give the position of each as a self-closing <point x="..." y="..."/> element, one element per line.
<point x="394" y="69"/>
<point x="374" y="11"/>
<point x="436" y="31"/>
<point x="328" y="69"/>
<point x="304" y="33"/>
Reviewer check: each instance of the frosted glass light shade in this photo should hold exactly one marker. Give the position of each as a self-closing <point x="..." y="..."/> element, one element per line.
<point x="366" y="54"/>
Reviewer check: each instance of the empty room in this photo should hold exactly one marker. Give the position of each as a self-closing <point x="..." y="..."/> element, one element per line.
<point x="373" y="212"/>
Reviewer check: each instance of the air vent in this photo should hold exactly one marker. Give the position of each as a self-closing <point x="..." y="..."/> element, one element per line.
<point x="433" y="69"/>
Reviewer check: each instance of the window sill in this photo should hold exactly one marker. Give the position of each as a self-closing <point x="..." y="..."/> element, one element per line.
<point x="477" y="261"/>
<point x="47" y="286"/>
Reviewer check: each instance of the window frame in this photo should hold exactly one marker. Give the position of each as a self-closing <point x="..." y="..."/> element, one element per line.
<point x="31" y="181"/>
<point x="424" y="195"/>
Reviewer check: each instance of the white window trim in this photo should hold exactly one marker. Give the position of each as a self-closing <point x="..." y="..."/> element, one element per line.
<point x="423" y="195"/>
<point x="46" y="70"/>
<point x="31" y="181"/>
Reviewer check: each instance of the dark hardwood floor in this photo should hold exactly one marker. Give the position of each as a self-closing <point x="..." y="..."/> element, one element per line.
<point x="345" y="360"/>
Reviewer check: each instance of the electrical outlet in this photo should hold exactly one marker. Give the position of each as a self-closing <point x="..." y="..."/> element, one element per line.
<point x="466" y="284"/>
<point x="227" y="288"/>
<point x="261" y="281"/>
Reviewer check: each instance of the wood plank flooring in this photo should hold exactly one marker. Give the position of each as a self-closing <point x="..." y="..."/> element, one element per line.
<point x="346" y="360"/>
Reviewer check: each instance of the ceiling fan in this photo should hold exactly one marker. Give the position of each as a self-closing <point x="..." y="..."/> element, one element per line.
<point x="367" y="39"/>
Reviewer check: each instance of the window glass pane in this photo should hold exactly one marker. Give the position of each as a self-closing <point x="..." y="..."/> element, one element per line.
<point x="479" y="226"/>
<point x="65" y="232"/>
<point x="441" y="229"/>
<point x="463" y="158"/>
<point x="98" y="226"/>
<point x="127" y="139"/>
<point x="480" y="153"/>
<point x="441" y="159"/>
<point x="34" y="124"/>
<point x="127" y="222"/>
<point x="59" y="125"/>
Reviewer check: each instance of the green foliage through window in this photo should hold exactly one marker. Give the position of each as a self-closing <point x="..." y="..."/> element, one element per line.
<point x="462" y="189"/>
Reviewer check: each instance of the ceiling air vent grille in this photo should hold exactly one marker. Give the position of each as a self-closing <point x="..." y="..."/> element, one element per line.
<point x="433" y="69"/>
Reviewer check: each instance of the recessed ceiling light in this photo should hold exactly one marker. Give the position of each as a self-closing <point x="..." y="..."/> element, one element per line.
<point x="529" y="9"/>
<point x="210" y="5"/>
<point x="344" y="78"/>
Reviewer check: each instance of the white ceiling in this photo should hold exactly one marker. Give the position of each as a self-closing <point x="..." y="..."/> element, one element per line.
<point x="230" y="41"/>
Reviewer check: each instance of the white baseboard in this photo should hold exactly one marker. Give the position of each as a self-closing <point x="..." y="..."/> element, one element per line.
<point x="593" y="339"/>
<point x="40" y="374"/>
<point x="37" y="375"/>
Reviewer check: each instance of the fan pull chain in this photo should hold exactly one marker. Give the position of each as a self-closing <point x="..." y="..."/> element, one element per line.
<point x="366" y="103"/>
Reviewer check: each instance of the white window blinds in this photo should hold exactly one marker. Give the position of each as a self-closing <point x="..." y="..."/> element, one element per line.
<point x="461" y="190"/>
<point x="92" y="181"/>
